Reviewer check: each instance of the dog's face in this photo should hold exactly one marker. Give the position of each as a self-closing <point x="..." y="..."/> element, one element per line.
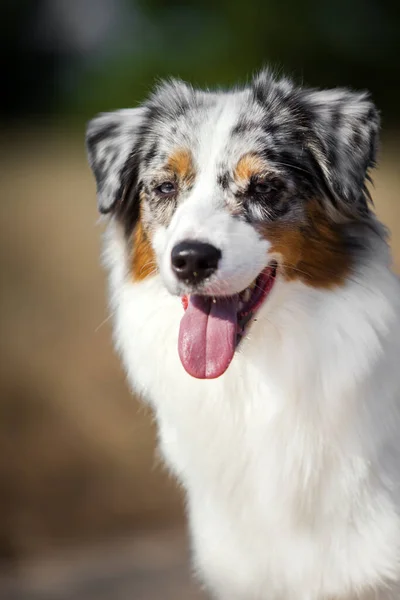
<point x="222" y="193"/>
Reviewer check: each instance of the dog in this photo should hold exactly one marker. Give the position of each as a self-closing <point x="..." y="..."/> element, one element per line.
<point x="255" y="310"/>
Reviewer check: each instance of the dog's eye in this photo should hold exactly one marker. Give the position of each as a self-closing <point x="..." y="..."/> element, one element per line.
<point x="264" y="187"/>
<point x="167" y="188"/>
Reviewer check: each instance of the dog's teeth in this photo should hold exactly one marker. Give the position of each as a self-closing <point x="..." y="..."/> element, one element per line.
<point x="246" y="295"/>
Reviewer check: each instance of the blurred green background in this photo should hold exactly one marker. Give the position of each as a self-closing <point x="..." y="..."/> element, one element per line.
<point x="77" y="463"/>
<point x="73" y="58"/>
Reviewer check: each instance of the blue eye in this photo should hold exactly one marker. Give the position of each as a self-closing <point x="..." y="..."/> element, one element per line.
<point x="167" y="188"/>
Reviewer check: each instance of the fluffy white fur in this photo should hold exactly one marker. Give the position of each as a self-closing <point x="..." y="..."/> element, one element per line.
<point x="291" y="460"/>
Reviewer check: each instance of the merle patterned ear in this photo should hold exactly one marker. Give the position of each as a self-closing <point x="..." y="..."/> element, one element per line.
<point x="110" y="140"/>
<point x="344" y="140"/>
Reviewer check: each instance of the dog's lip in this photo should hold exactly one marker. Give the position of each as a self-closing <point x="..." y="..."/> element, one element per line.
<point x="254" y="295"/>
<point x="260" y="290"/>
<point x="250" y="299"/>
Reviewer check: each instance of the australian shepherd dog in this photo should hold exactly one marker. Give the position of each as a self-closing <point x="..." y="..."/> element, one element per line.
<point x="256" y="312"/>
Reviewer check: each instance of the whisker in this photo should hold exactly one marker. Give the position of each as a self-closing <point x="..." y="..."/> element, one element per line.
<point x="151" y="272"/>
<point x="105" y="321"/>
<point x="290" y="166"/>
<point x="328" y="272"/>
<point x="148" y="264"/>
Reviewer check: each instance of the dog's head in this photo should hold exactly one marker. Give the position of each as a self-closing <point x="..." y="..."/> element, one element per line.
<point x="220" y="193"/>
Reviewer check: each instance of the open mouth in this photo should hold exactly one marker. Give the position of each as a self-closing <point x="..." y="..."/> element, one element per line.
<point x="213" y="326"/>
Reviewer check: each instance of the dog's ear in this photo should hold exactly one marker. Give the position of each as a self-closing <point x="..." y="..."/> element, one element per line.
<point x="111" y="138"/>
<point x="337" y="128"/>
<point x="344" y="136"/>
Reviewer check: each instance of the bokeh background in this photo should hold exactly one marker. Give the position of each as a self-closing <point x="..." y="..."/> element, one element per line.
<point x="86" y="510"/>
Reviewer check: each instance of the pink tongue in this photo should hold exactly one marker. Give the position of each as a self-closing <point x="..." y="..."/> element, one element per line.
<point x="207" y="335"/>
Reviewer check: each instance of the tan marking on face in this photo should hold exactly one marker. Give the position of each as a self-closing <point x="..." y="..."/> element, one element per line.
<point x="249" y="166"/>
<point x="314" y="252"/>
<point x="143" y="263"/>
<point x="180" y="163"/>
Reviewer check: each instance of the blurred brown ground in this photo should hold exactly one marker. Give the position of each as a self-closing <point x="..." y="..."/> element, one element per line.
<point x="77" y="462"/>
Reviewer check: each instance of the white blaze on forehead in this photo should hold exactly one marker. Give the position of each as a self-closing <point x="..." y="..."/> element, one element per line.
<point x="214" y="137"/>
<point x="194" y="217"/>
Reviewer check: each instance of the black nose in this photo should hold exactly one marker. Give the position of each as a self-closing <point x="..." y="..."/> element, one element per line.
<point x="194" y="261"/>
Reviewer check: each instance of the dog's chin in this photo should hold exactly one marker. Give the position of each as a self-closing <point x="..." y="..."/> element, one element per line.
<point x="212" y="327"/>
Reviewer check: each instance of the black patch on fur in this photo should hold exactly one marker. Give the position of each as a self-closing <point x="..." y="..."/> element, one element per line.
<point x="99" y="166"/>
<point x="318" y="181"/>
<point x="223" y="180"/>
<point x="170" y="102"/>
<point x="155" y="112"/>
<point x="128" y="204"/>
<point x="240" y="128"/>
<point x="101" y="135"/>
<point x="100" y="174"/>
<point x="357" y="138"/>
<point x="270" y="127"/>
<point x="150" y="154"/>
<point x="336" y="118"/>
<point x="271" y="155"/>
